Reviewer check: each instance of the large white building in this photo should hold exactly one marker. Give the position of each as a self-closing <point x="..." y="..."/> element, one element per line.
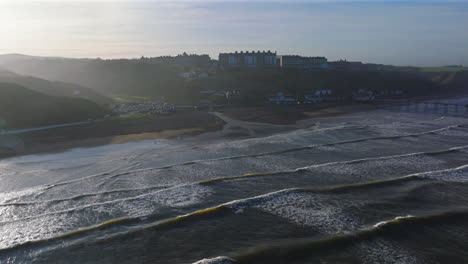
<point x="248" y="59"/>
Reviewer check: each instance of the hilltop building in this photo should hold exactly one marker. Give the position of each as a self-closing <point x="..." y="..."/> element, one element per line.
<point x="281" y="98"/>
<point x="300" y="62"/>
<point x="259" y="59"/>
<point x="321" y="96"/>
<point x="183" y="59"/>
<point x="347" y="65"/>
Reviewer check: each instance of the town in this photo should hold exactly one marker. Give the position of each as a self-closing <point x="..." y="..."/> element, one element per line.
<point x="193" y="68"/>
<point x="265" y="59"/>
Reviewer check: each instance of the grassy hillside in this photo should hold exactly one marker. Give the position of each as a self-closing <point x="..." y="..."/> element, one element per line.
<point x="137" y="78"/>
<point x="110" y="77"/>
<point x="123" y="77"/>
<point x="23" y="108"/>
<point x="255" y="85"/>
<point x="54" y="88"/>
<point x="449" y="82"/>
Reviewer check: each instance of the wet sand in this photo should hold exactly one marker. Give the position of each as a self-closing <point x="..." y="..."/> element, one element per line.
<point x="170" y="126"/>
<point x="290" y="114"/>
<point x="112" y="132"/>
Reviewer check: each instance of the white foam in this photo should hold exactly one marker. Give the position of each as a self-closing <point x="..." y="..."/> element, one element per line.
<point x="325" y="213"/>
<point x="389" y="221"/>
<point x="46" y="225"/>
<point x="459" y="174"/>
<point x="217" y="260"/>
<point x="382" y="251"/>
<point x="454" y="133"/>
<point x="414" y="162"/>
<point x="321" y="211"/>
<point x="6" y="197"/>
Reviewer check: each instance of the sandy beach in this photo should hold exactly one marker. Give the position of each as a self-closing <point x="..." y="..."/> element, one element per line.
<point x="170" y="126"/>
<point x="112" y="132"/>
<point x="290" y="114"/>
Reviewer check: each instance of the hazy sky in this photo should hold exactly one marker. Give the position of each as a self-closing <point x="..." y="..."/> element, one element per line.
<point x="394" y="32"/>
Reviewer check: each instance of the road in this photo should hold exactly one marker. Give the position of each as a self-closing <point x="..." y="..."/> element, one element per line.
<point x="19" y="131"/>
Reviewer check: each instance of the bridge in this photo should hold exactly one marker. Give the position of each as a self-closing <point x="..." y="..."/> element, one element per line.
<point x="415" y="106"/>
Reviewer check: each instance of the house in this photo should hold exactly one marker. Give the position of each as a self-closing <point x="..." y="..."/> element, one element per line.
<point x="320" y="96"/>
<point x="163" y="108"/>
<point x="183" y="59"/>
<point x="202" y="75"/>
<point x="193" y="74"/>
<point x="233" y="95"/>
<point x="213" y="63"/>
<point x="282" y="99"/>
<point x="185" y="75"/>
<point x="248" y="59"/>
<point x="324" y="92"/>
<point x="300" y="62"/>
<point x="363" y="95"/>
<point x="312" y="99"/>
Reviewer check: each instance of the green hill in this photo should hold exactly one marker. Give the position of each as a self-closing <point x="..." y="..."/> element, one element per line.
<point x="162" y="82"/>
<point x="256" y="85"/>
<point x="109" y="77"/>
<point x="53" y="88"/>
<point x="23" y="108"/>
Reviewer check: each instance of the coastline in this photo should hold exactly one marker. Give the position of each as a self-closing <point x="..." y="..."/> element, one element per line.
<point x="290" y="114"/>
<point x="113" y="132"/>
<point x="182" y="124"/>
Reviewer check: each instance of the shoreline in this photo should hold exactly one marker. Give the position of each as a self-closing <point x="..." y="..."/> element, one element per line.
<point x="290" y="114"/>
<point x="177" y="125"/>
<point x="110" y="132"/>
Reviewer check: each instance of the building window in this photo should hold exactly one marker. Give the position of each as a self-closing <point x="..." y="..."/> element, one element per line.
<point x="250" y="60"/>
<point x="232" y="60"/>
<point x="269" y="60"/>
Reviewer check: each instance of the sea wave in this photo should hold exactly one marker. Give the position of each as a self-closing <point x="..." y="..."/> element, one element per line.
<point x="131" y="192"/>
<point x="109" y="175"/>
<point x="217" y="260"/>
<point x="329" y="216"/>
<point x="391" y="228"/>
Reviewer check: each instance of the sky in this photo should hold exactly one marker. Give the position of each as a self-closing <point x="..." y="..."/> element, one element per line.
<point x="413" y="32"/>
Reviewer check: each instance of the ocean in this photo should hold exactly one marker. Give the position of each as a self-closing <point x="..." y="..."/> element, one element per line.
<point x="367" y="187"/>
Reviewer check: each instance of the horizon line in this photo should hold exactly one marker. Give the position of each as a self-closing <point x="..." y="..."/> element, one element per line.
<point x="139" y="57"/>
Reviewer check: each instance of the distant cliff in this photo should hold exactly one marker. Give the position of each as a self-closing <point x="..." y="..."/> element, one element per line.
<point x="54" y="88"/>
<point x="116" y="77"/>
<point x="24" y="108"/>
